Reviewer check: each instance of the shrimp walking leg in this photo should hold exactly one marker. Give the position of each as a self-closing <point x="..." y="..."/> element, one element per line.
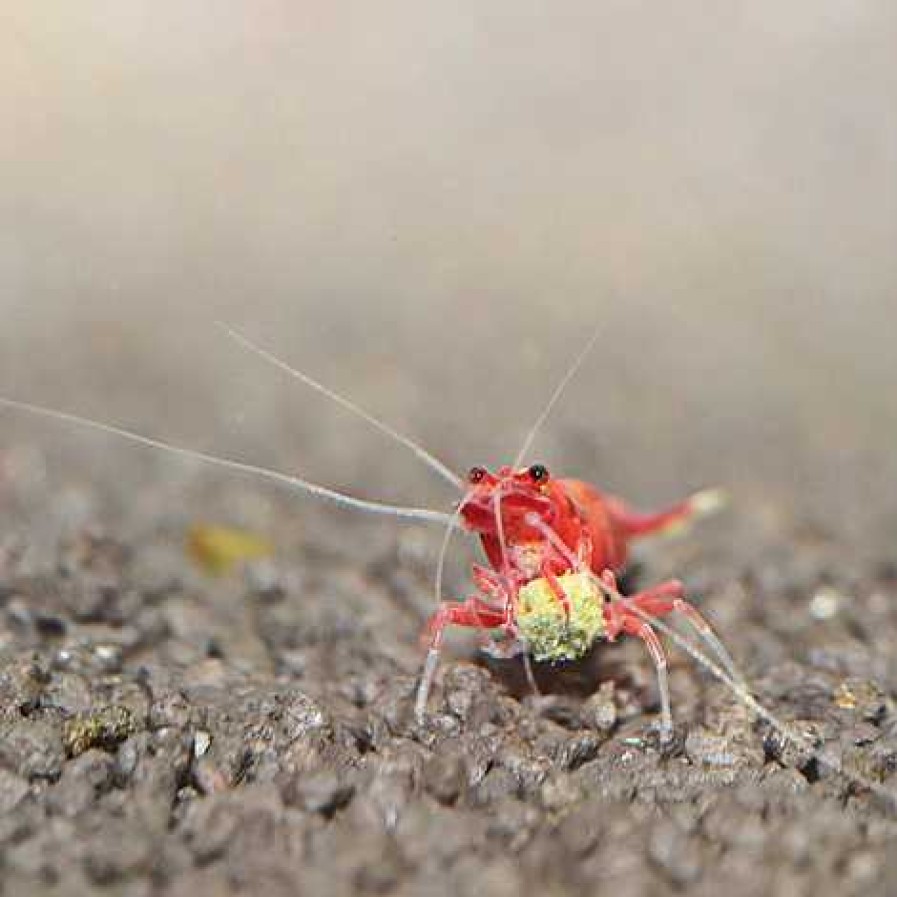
<point x="626" y="615"/>
<point x="472" y="613"/>
<point x="556" y="589"/>
<point x="667" y="598"/>
<point x="619" y="619"/>
<point x="634" y="626"/>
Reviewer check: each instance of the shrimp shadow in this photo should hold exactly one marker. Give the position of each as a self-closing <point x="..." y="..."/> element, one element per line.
<point x="578" y="678"/>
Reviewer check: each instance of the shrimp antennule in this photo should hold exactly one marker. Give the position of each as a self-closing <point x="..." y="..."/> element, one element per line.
<point x="429" y="459"/>
<point x="276" y="476"/>
<point x="555" y="396"/>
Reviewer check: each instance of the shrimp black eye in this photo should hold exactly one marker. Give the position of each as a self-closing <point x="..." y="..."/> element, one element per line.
<point x="476" y="475"/>
<point x="538" y="473"/>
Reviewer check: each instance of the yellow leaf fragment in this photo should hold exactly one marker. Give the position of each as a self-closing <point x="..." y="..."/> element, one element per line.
<point x="218" y="549"/>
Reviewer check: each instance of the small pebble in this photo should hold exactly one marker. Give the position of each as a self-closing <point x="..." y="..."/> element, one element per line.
<point x="201" y="743"/>
<point x="825" y="603"/>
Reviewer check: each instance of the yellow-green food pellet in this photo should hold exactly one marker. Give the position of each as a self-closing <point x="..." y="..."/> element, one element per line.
<point x="543" y="622"/>
<point x="104" y="728"/>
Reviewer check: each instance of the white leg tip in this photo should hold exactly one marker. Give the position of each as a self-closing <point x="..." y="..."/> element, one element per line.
<point x="426" y="680"/>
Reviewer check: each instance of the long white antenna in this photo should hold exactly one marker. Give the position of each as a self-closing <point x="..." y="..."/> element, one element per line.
<point x="430" y="460"/>
<point x="559" y="389"/>
<point x="275" y="476"/>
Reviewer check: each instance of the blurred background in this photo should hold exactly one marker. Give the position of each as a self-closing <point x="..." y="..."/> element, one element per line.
<point x="430" y="207"/>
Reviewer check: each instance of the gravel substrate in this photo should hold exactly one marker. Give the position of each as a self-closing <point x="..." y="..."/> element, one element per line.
<point x="162" y="731"/>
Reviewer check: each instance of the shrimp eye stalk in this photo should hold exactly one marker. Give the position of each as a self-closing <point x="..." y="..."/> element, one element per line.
<point x="476" y="475"/>
<point x="538" y="473"/>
